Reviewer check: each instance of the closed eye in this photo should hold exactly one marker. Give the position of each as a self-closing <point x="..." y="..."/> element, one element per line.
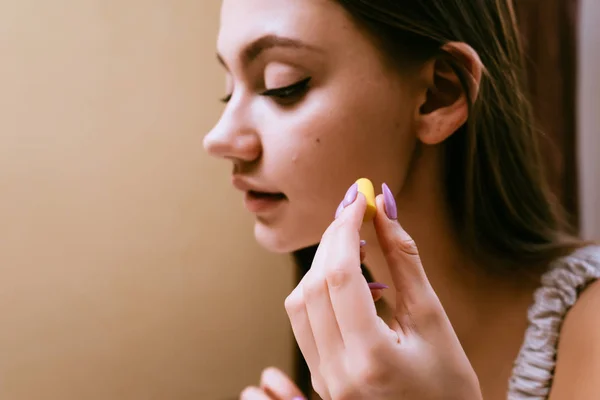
<point x="284" y="94"/>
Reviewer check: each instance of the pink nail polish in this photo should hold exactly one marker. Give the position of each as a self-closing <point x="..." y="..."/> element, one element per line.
<point x="351" y="195"/>
<point x="389" y="202"/>
<point x="339" y="210"/>
<point x="377" y="285"/>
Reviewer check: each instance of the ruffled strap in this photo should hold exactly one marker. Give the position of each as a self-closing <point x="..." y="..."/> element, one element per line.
<point x="561" y="285"/>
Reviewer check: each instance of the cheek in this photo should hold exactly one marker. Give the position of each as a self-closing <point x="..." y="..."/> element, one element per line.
<point x="335" y="140"/>
<point x="315" y="152"/>
<point x="341" y="138"/>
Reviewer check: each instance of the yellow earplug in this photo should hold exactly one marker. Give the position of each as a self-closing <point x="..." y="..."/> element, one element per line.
<point x="366" y="188"/>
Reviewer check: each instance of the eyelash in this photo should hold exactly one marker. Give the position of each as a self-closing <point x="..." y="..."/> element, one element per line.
<point x="283" y="94"/>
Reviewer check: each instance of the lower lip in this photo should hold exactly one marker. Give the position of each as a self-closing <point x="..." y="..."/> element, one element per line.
<point x="257" y="204"/>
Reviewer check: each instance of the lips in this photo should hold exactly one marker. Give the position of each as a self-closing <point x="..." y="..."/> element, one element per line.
<point x="263" y="202"/>
<point x="266" y="195"/>
<point x="258" y="199"/>
<point x="245" y="185"/>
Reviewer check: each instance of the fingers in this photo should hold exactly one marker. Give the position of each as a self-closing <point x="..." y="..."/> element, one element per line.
<point x="340" y="245"/>
<point x="415" y="296"/>
<point x="337" y="264"/>
<point x="278" y="385"/>
<point x="333" y="304"/>
<point x="254" y="393"/>
<point x="399" y="250"/>
<point x="301" y="326"/>
<point x="298" y="316"/>
<point x="295" y="306"/>
<point x="321" y="316"/>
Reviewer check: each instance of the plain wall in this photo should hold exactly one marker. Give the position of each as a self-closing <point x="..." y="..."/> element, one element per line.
<point x="589" y="118"/>
<point x="127" y="264"/>
<point x="128" y="267"/>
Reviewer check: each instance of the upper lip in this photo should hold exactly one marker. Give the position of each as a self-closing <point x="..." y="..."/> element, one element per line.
<point x="246" y="185"/>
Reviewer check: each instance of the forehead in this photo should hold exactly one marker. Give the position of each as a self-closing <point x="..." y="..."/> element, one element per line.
<point x="322" y="23"/>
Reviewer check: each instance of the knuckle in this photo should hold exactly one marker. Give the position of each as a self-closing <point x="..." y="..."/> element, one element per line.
<point x="366" y="375"/>
<point x="319" y="387"/>
<point x="337" y="277"/>
<point x="294" y="303"/>
<point x="431" y="313"/>
<point x="345" y="393"/>
<point x="345" y="390"/>
<point x="376" y="349"/>
<point x="313" y="288"/>
<point x="368" y="372"/>
<point x="406" y="245"/>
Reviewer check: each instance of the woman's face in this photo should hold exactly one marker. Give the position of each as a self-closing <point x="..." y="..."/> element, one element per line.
<point x="312" y="106"/>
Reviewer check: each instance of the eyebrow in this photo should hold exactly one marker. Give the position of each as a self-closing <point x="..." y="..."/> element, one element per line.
<point x="252" y="51"/>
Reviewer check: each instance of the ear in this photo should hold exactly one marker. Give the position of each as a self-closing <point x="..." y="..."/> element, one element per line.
<point x="444" y="107"/>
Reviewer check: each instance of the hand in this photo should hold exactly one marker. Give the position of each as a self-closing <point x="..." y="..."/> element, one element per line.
<point x="274" y="385"/>
<point x="350" y="351"/>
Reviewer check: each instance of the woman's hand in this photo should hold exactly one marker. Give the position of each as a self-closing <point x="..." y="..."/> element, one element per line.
<point x="274" y="385"/>
<point x="351" y="352"/>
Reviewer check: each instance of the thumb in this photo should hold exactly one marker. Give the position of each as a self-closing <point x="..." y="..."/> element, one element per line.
<point x="414" y="295"/>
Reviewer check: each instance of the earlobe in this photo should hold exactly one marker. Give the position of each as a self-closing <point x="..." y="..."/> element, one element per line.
<point x="445" y="107"/>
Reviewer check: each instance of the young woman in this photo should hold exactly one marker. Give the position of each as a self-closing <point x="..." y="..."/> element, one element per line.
<point x="426" y="99"/>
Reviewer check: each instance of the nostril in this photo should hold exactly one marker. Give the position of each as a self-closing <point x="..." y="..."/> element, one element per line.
<point x="234" y="144"/>
<point x="247" y="147"/>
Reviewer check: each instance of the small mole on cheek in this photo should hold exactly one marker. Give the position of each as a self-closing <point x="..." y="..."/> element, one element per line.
<point x="318" y="140"/>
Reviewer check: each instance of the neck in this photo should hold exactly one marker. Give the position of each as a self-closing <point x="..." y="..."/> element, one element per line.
<point x="470" y="296"/>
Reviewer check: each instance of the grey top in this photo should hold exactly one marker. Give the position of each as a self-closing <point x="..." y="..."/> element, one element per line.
<point x="560" y="286"/>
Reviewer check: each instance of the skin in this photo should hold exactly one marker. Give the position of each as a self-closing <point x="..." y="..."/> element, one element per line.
<point x="362" y="117"/>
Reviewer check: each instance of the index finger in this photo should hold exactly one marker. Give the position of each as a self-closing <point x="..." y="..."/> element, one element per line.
<point x="349" y="293"/>
<point x="343" y="234"/>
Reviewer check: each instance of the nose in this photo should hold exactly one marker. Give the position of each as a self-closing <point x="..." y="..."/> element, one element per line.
<point x="232" y="139"/>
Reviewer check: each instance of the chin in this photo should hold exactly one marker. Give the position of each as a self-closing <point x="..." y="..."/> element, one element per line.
<point x="278" y="239"/>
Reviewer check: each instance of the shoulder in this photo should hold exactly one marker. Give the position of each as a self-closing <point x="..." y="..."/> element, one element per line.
<point x="560" y="354"/>
<point x="578" y="354"/>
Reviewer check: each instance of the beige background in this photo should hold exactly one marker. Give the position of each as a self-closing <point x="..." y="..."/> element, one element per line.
<point x="127" y="264"/>
<point x="128" y="269"/>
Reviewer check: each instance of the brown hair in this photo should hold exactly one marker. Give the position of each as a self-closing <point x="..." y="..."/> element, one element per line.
<point x="495" y="185"/>
<point x="496" y="189"/>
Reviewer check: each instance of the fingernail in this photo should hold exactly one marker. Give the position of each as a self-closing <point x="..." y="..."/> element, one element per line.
<point x="351" y="195"/>
<point x="339" y="209"/>
<point x="298" y="398"/>
<point x="389" y="202"/>
<point x="377" y="285"/>
<point x="363" y="243"/>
